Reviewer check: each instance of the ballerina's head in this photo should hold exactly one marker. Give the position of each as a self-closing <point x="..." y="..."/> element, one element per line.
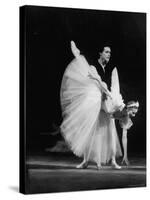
<point x="132" y="108"/>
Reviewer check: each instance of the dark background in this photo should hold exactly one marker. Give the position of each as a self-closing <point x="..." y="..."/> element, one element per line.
<point x="48" y="35"/>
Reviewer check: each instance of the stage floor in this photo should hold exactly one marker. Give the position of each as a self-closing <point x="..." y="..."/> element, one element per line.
<point x="57" y="173"/>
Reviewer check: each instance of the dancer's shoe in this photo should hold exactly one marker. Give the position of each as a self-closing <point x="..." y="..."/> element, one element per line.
<point x="115" y="165"/>
<point x="83" y="165"/>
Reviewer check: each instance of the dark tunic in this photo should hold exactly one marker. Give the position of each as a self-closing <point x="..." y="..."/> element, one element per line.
<point x="105" y="75"/>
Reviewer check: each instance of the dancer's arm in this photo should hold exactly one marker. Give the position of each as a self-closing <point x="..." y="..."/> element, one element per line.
<point x="125" y="146"/>
<point x="101" y="83"/>
<point x="104" y="89"/>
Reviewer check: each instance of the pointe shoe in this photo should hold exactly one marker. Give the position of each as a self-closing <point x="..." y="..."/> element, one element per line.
<point x="83" y="165"/>
<point x="75" y="50"/>
<point x="116" y="166"/>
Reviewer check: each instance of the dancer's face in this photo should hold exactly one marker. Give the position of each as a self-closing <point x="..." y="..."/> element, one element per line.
<point x="105" y="54"/>
<point x="132" y="111"/>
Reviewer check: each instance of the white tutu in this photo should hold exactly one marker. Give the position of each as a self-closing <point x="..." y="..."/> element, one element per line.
<point x="86" y="127"/>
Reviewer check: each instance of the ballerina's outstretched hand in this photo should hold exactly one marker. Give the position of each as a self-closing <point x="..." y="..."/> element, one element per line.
<point x="126" y="161"/>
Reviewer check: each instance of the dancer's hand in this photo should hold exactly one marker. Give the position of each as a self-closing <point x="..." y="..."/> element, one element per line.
<point x="91" y="76"/>
<point x="104" y="96"/>
<point x="108" y="94"/>
<point x="126" y="161"/>
<point x="106" y="91"/>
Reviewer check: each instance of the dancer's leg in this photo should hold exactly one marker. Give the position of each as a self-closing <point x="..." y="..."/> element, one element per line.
<point x="125" y="143"/>
<point x="84" y="163"/>
<point x="114" y="163"/>
<point x="99" y="150"/>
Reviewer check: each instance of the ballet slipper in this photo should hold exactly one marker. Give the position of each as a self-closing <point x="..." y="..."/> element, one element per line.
<point x="115" y="165"/>
<point x="83" y="165"/>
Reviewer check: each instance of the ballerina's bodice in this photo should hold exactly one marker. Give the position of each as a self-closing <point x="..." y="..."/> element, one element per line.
<point x="124" y="119"/>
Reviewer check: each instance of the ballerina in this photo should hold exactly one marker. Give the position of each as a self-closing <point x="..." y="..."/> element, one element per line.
<point x="87" y="128"/>
<point x="124" y="117"/>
